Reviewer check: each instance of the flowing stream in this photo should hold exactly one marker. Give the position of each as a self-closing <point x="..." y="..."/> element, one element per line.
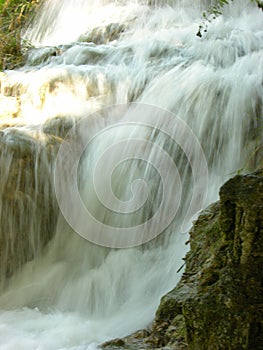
<point x="143" y="97"/>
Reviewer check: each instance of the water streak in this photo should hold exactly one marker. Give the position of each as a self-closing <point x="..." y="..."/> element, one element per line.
<point x="72" y="294"/>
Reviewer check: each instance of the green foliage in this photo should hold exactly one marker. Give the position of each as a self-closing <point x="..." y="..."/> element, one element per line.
<point x="216" y="10"/>
<point x="13" y="15"/>
<point x="213" y="12"/>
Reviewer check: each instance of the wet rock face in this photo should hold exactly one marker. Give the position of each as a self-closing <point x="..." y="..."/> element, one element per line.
<point x="218" y="303"/>
<point x="104" y="35"/>
<point x="28" y="209"/>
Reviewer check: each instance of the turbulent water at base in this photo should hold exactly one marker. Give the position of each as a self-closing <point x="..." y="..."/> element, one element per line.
<point x="88" y="55"/>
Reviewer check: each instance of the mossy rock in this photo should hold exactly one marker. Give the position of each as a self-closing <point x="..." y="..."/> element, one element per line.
<point x="222" y="307"/>
<point x="218" y="303"/>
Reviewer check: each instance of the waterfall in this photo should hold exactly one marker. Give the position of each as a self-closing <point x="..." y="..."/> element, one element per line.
<point x="121" y="126"/>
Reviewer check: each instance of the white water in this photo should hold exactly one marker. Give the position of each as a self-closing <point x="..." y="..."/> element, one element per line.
<point x="77" y="295"/>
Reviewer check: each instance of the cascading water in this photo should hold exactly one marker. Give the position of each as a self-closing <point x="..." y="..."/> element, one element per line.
<point x="71" y="293"/>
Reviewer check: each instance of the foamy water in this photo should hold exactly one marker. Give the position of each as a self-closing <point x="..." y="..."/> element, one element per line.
<point x="76" y="294"/>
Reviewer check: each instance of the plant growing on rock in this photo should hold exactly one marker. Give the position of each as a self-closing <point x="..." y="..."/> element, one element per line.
<point x="215" y="10"/>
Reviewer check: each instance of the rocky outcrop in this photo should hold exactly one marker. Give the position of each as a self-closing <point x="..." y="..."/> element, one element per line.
<point x="28" y="209"/>
<point x="218" y="303"/>
<point x="105" y="34"/>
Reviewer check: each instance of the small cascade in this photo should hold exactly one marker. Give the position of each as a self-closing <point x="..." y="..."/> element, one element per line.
<point x="119" y="129"/>
<point x="27" y="206"/>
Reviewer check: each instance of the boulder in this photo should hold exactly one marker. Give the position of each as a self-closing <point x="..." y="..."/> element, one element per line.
<point x="218" y="303"/>
<point x="28" y="209"/>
